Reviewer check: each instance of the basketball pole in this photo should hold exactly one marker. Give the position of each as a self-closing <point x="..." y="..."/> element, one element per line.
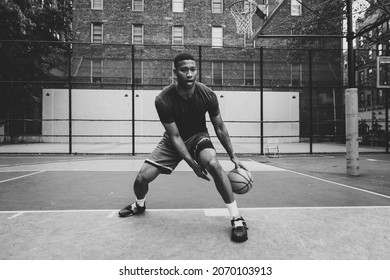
<point x="352" y="131"/>
<point x="351" y="105"/>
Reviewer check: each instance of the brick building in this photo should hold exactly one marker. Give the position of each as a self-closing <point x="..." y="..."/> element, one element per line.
<point x="158" y="29"/>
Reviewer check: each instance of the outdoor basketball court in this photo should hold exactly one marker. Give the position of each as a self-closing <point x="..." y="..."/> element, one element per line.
<point x="65" y="207"/>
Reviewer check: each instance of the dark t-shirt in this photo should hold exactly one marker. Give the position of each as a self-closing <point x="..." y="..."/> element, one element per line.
<point x="188" y="114"/>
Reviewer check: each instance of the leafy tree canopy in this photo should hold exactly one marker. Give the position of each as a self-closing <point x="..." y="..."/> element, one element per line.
<point x="320" y="18"/>
<point x="24" y="24"/>
<point x="370" y="26"/>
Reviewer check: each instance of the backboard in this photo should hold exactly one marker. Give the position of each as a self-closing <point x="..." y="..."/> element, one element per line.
<point x="383" y="72"/>
<point x="270" y="9"/>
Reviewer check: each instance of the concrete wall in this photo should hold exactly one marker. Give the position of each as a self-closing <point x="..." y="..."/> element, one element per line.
<point x="108" y="113"/>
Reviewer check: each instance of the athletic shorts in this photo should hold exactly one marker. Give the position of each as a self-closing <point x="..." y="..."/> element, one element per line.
<point x="166" y="158"/>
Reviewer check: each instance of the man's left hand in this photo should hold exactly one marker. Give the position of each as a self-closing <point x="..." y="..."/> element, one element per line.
<point x="238" y="163"/>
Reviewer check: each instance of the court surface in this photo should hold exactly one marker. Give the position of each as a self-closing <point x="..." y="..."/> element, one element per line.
<point x="65" y="207"/>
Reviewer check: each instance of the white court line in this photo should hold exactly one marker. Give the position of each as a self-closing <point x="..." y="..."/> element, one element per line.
<point x="19" y="177"/>
<point x="36" y="164"/>
<point x="111" y="214"/>
<point x="206" y="210"/>
<point x="126" y="165"/>
<point x="16" y="215"/>
<point x="335" y="183"/>
<point x="374" y="160"/>
<point x="339" y="184"/>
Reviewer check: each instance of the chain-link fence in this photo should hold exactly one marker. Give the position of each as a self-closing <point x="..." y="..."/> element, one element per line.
<point x="99" y="98"/>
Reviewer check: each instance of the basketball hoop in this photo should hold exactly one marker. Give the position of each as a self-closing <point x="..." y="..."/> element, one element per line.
<point x="243" y="12"/>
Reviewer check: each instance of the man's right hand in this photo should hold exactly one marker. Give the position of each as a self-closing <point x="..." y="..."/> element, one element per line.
<point x="200" y="171"/>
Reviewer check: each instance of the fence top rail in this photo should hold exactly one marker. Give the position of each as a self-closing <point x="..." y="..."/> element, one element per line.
<point x="166" y="45"/>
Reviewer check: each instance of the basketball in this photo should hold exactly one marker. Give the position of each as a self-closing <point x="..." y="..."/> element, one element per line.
<point x="241" y="180"/>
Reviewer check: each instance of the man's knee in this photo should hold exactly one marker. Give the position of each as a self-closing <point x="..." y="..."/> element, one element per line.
<point x="147" y="174"/>
<point x="213" y="165"/>
<point x="141" y="178"/>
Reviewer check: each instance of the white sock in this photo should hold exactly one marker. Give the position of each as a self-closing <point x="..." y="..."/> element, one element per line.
<point x="141" y="202"/>
<point x="233" y="209"/>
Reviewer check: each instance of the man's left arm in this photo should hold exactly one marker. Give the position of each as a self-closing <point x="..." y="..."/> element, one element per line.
<point x="223" y="136"/>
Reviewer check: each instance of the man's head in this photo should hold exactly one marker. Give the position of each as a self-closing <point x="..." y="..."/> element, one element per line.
<point x="185" y="70"/>
<point x="181" y="57"/>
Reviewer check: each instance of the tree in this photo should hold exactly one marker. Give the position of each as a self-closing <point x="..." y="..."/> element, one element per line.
<point x="321" y="18"/>
<point x="371" y="25"/>
<point x="27" y="23"/>
<point x="31" y="46"/>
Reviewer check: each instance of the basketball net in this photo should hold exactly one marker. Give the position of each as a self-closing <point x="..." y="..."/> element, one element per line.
<point x="243" y="12"/>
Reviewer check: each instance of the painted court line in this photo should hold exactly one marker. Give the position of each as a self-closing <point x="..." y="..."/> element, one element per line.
<point x="19" y="177"/>
<point x="207" y="211"/>
<point x="339" y="184"/>
<point x="374" y="160"/>
<point x="117" y="165"/>
<point x="335" y="183"/>
<point x="112" y="214"/>
<point x="16" y="215"/>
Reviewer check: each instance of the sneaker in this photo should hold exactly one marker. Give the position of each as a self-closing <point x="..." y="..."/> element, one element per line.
<point x="132" y="209"/>
<point x="239" y="230"/>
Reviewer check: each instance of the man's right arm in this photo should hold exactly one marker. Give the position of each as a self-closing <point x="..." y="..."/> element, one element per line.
<point x="181" y="148"/>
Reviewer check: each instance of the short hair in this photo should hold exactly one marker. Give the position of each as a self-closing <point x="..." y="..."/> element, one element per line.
<point x="182" y="56"/>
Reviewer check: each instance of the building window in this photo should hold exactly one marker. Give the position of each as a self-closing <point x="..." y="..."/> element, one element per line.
<point x="249" y="73"/>
<point x="296" y="74"/>
<point x="97" y="71"/>
<point x="138" y="34"/>
<point x="381" y="49"/>
<point x="97" y="32"/>
<point x="217" y="36"/>
<point x="97" y="4"/>
<point x="177" y="35"/>
<point x="217" y="6"/>
<point x="361" y="41"/>
<point x="177" y="6"/>
<point x="138" y="5"/>
<point x="296" y="8"/>
<point x="217" y="73"/>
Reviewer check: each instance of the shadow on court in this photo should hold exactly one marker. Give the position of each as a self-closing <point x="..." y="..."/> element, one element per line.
<point x="301" y="207"/>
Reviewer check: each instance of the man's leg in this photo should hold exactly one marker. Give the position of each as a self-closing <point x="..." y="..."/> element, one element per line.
<point x="162" y="160"/>
<point x="208" y="159"/>
<point x="146" y="175"/>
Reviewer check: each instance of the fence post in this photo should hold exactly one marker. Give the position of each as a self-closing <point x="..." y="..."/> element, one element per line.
<point x="311" y="100"/>
<point x="69" y="46"/>
<point x="200" y="64"/>
<point x="352" y="131"/>
<point x="133" y="99"/>
<point x="261" y="101"/>
<point x="387" y="136"/>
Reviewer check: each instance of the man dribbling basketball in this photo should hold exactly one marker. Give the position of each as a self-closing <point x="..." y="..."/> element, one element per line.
<point x="181" y="108"/>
